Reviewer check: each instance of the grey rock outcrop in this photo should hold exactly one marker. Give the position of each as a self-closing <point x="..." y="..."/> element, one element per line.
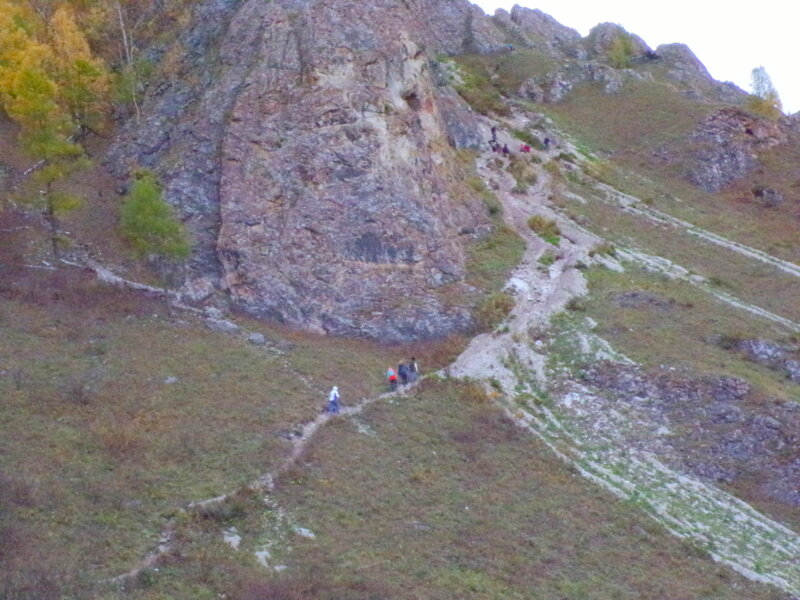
<point x="542" y="31"/>
<point x="336" y="182"/>
<point x="556" y="85"/>
<point x="725" y="147"/>
<point x="719" y="429"/>
<point x="602" y="36"/>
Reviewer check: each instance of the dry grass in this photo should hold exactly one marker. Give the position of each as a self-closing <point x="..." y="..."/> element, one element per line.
<point x="116" y="414"/>
<point x="748" y="279"/>
<point x="463" y="504"/>
<point x="683" y="332"/>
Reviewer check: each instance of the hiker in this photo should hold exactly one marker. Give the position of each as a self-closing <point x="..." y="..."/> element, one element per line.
<point x="333" y="401"/>
<point x="547" y="143"/>
<point x="506" y="151"/>
<point x="392" y="377"/>
<point x="494" y="133"/>
<point x="413" y="369"/>
<point x="402" y="370"/>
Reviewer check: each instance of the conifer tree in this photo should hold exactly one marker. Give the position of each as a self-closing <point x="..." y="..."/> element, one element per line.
<point x="84" y="81"/>
<point x="149" y="223"/>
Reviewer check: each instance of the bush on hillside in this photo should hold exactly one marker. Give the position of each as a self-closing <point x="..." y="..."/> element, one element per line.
<point x="545" y="228"/>
<point x="492" y="310"/>
<point x="148" y="221"/>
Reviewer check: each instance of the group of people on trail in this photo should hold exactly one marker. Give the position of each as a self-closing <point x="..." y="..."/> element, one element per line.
<point x="408" y="373"/>
<point x="495" y="145"/>
<point x="504" y="150"/>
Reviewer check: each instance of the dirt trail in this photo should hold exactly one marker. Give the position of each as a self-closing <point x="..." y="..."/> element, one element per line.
<point x="730" y="530"/>
<point x="539" y="293"/>
<point x="264" y="484"/>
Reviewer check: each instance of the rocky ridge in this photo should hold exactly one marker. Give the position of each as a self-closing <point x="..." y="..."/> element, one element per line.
<point x="311" y="147"/>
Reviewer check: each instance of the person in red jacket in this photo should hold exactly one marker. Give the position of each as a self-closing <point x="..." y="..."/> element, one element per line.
<point x="392" y="377"/>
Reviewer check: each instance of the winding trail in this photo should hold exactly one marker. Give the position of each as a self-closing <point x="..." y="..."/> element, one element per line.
<point x="731" y="531"/>
<point x="264" y="484"/>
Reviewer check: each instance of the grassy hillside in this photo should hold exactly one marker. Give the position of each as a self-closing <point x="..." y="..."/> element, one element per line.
<point x="437" y="495"/>
<point x="117" y="413"/>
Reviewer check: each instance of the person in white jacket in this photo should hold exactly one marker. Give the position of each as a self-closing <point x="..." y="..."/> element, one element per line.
<point x="333" y="401"/>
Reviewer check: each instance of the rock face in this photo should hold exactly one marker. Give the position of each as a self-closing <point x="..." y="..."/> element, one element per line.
<point x="337" y="184"/>
<point x="725" y="147"/>
<point x="542" y="31"/>
<point x="309" y="148"/>
<point x="602" y="36"/>
<point x="718" y="431"/>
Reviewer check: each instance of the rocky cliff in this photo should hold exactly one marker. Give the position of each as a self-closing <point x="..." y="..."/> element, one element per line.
<point x="311" y="150"/>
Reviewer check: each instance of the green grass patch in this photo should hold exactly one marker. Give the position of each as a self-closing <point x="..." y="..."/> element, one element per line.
<point x="545" y="228"/>
<point x="476" y="86"/>
<point x="491" y="259"/>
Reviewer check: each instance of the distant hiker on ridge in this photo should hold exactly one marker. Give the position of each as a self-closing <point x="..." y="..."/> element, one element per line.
<point x="413" y="369"/>
<point x="333" y="401"/>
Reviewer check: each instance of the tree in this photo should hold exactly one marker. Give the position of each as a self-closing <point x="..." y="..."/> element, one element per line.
<point x="54" y="88"/>
<point x="620" y="51"/>
<point x="764" y="99"/>
<point x="83" y="78"/>
<point x="149" y="223"/>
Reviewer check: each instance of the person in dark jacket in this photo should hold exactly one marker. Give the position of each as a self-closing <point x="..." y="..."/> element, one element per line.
<point x="402" y="370"/>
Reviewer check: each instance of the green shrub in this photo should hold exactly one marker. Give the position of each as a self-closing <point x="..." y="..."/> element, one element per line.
<point x="545" y="228"/>
<point x="763" y="107"/>
<point x="605" y="248"/>
<point x="148" y="221"/>
<point x="547" y="259"/>
<point x="620" y="53"/>
<point x="576" y="305"/>
<point x="492" y="310"/>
